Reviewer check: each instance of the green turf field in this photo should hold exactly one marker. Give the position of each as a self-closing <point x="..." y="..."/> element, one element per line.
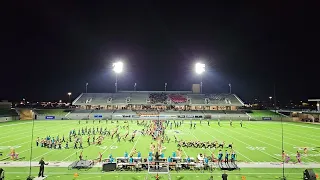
<point x="254" y="142"/>
<point x="96" y="174"/>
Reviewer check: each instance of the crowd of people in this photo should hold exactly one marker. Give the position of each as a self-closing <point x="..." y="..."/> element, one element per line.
<point x="177" y="98"/>
<point x="158" y="98"/>
<point x="162" y="98"/>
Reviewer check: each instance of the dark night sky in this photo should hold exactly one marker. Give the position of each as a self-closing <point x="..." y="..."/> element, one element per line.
<point x="50" y="49"/>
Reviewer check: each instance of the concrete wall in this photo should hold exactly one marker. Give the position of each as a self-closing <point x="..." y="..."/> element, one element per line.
<point x="43" y="117"/>
<point x="9" y="118"/>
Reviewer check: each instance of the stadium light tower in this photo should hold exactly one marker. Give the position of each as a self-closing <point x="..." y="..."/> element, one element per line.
<point x="270" y="97"/>
<point x="200" y="69"/>
<point x="117" y="68"/>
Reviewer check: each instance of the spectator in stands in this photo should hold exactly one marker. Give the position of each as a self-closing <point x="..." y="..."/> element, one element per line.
<point x="158" y="98"/>
<point x="177" y="98"/>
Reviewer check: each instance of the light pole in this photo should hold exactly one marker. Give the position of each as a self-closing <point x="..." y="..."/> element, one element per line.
<point x="200" y="69"/>
<point x="230" y="88"/>
<point x="135" y="87"/>
<point x="87" y="87"/>
<point x="270" y="97"/>
<point x="117" y="68"/>
<point x="165" y="86"/>
<point x="69" y="94"/>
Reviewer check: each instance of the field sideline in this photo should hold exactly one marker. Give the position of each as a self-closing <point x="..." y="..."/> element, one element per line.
<point x="254" y="142"/>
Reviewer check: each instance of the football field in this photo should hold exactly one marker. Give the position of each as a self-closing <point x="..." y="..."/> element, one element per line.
<point x="255" y="142"/>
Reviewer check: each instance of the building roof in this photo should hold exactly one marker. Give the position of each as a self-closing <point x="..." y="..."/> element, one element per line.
<point x="157" y="98"/>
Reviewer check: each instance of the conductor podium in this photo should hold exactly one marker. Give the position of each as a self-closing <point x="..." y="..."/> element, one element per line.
<point x="158" y="167"/>
<point x="81" y="164"/>
<point x="106" y="167"/>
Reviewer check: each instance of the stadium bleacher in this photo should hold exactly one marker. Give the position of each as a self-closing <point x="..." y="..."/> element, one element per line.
<point x="158" y="98"/>
<point x="139" y="98"/>
<point x="177" y="98"/>
<point x="152" y="103"/>
<point x="8" y="112"/>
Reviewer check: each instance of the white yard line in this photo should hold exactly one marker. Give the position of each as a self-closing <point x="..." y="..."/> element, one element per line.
<point x="42" y="155"/>
<point x="198" y="140"/>
<point x="286" y="137"/>
<point x="247" y="145"/>
<point x="14" y="124"/>
<point x="29" y="136"/>
<point x="24" y="131"/>
<point x="135" y="144"/>
<point x="72" y="154"/>
<point x="93" y="177"/>
<point x="37" y="124"/>
<point x="184" y="152"/>
<point x="234" y="150"/>
<point x="108" y="147"/>
<point x="267" y="143"/>
<point x="302" y="126"/>
<point x="34" y="147"/>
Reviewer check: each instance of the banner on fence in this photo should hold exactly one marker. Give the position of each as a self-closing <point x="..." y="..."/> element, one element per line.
<point x="50" y="117"/>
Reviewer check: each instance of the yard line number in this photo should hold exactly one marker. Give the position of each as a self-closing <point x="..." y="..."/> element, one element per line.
<point x="252" y="148"/>
<point x="8" y="147"/>
<point x="106" y="147"/>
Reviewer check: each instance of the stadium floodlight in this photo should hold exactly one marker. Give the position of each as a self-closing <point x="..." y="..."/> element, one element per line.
<point x="69" y="94"/>
<point x="200" y="68"/>
<point x="117" y="68"/>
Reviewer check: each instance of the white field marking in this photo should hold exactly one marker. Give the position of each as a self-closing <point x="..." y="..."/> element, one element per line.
<point x="292" y="138"/>
<point x="288" y="137"/>
<point x="135" y="144"/>
<point x="55" y="130"/>
<point x="24" y="131"/>
<point x="198" y="140"/>
<point x="268" y="143"/>
<point x="93" y="177"/>
<point x="108" y="148"/>
<point x="234" y="150"/>
<point x="37" y="125"/>
<point x="42" y="147"/>
<point x="131" y="173"/>
<point x="28" y="135"/>
<point x="310" y="136"/>
<point x="43" y="154"/>
<point x="305" y="135"/>
<point x="14" y="124"/>
<point x="52" y="150"/>
<point x="184" y="152"/>
<point x="302" y="126"/>
<point x="246" y="144"/>
<point x="72" y="154"/>
<point x="28" y="148"/>
<point x="277" y="140"/>
<point x="2" y="148"/>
